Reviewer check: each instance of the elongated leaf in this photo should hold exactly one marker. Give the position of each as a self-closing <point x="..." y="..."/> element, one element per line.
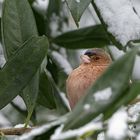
<point x="46" y="96"/>
<point x="115" y="79"/>
<point x="77" y="7"/>
<point x="30" y="94"/>
<point x="89" y="37"/>
<point x="21" y="68"/>
<point x="130" y="95"/>
<point x="18" y="24"/>
<point x="31" y="1"/>
<point x="51" y="94"/>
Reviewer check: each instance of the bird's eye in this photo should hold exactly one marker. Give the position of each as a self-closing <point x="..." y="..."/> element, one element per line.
<point x="90" y="53"/>
<point x="97" y="58"/>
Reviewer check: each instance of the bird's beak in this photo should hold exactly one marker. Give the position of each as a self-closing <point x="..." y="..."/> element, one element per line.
<point x="85" y="59"/>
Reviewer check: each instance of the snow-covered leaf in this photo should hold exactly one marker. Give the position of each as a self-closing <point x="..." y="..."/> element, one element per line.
<point x="121" y="19"/>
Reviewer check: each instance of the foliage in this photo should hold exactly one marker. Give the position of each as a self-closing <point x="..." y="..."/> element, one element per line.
<point x="33" y="72"/>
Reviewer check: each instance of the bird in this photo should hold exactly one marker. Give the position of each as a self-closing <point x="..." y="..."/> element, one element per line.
<point x="93" y="63"/>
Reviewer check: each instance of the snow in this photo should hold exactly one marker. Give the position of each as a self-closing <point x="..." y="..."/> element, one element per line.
<point x="63" y="63"/>
<point x="133" y="112"/>
<point x="63" y="95"/>
<point x="78" y="1"/>
<point x="19" y="101"/>
<point x="4" y="121"/>
<point x="21" y="126"/>
<point x="138" y="137"/>
<point x="41" y="129"/>
<point x="59" y="135"/>
<point x="103" y="95"/>
<point x="121" y="19"/>
<point x="136" y="69"/>
<point x="136" y="4"/>
<point x="41" y="6"/>
<point x="115" y="52"/>
<point x="101" y="136"/>
<point x="2" y="58"/>
<point x="87" y="106"/>
<point x="117" y="125"/>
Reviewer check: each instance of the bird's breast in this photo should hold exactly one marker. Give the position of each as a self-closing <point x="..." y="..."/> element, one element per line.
<point x="80" y="80"/>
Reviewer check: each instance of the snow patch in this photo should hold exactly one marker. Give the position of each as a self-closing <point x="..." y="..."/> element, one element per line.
<point x="78" y="1"/>
<point x="86" y="106"/>
<point x="64" y="64"/>
<point x="21" y="126"/>
<point x="133" y="112"/>
<point x="41" y="130"/>
<point x="63" y="95"/>
<point x="101" y="136"/>
<point x="103" y="95"/>
<point x="117" y="125"/>
<point x="136" y="69"/>
<point x="59" y="135"/>
<point x="4" y="122"/>
<point x="121" y="19"/>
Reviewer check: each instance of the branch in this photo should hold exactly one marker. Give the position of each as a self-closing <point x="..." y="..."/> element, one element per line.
<point x="15" y="131"/>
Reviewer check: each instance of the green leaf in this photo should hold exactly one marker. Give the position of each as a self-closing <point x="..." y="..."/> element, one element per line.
<point x="51" y="94"/>
<point x="21" y="68"/>
<point x="31" y="1"/>
<point x="116" y="78"/>
<point x="40" y="22"/>
<point x="77" y="8"/>
<point x="46" y="95"/>
<point x="89" y="37"/>
<point x="130" y="95"/>
<point x="30" y="94"/>
<point x="18" y="25"/>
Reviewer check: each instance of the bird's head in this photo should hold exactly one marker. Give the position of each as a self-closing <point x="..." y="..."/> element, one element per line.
<point x="96" y="56"/>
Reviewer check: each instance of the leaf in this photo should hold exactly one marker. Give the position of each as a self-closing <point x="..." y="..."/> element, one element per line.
<point x="89" y="37"/>
<point x="51" y="94"/>
<point x="116" y="79"/>
<point x="77" y="8"/>
<point x="40" y="22"/>
<point x="21" y="68"/>
<point x="30" y="94"/>
<point x="31" y="1"/>
<point x="125" y="99"/>
<point x="46" y="96"/>
<point x="18" y="25"/>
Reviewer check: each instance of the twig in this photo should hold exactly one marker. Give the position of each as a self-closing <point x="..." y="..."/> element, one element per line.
<point x="15" y="131"/>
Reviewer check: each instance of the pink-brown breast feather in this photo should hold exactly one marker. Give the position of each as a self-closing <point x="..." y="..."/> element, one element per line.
<point x="80" y="80"/>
